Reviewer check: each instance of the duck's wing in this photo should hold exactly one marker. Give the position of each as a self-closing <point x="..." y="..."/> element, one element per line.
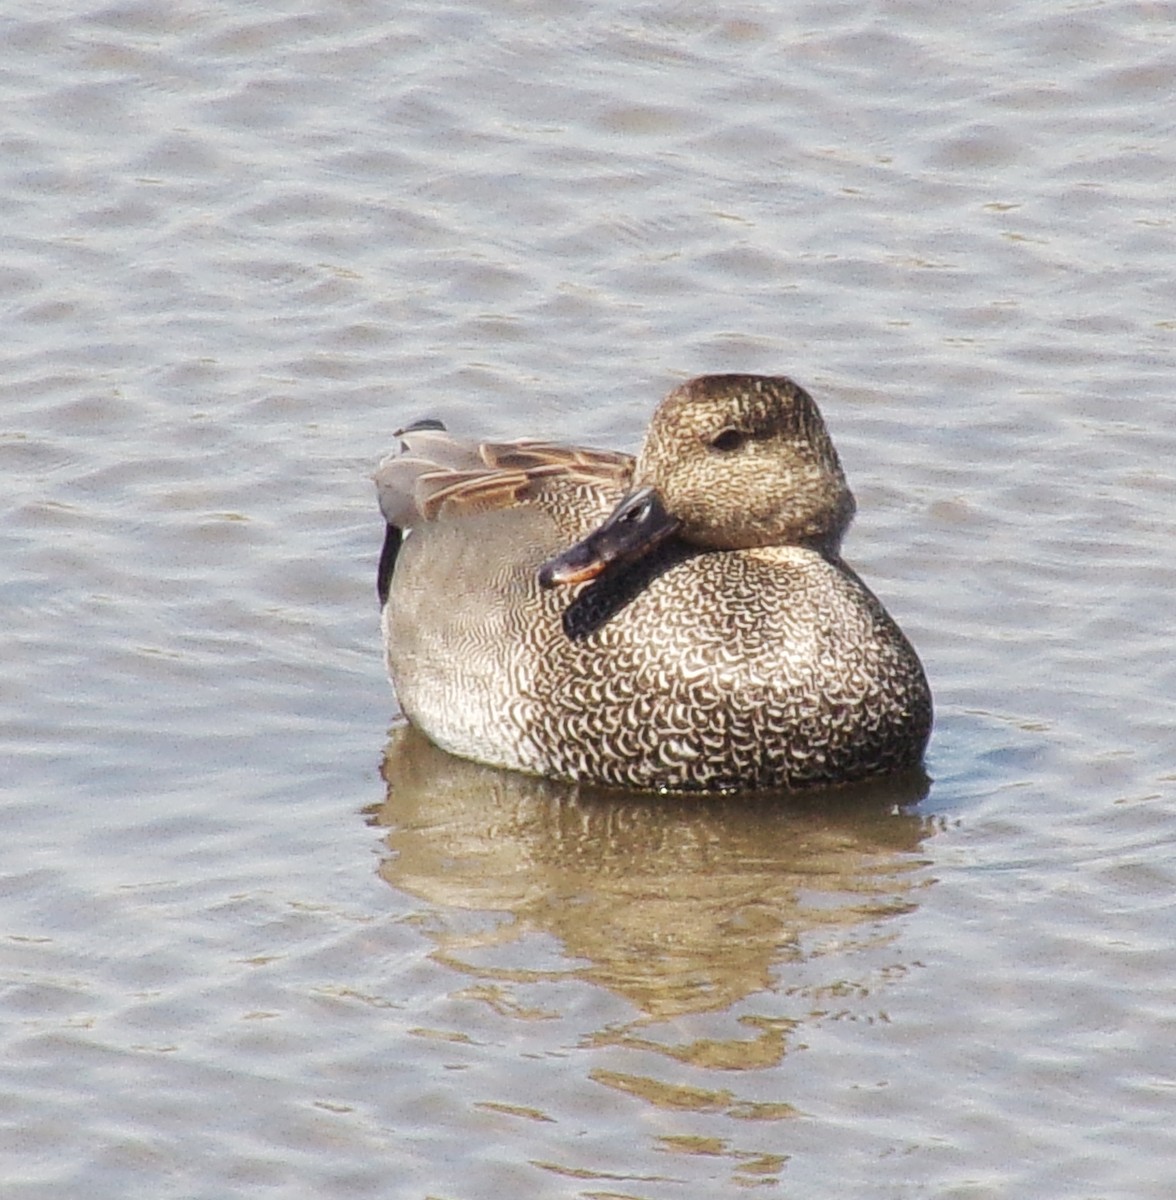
<point x="435" y="474"/>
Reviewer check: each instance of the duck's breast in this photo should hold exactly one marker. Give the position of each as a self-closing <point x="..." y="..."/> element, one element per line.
<point x="737" y="669"/>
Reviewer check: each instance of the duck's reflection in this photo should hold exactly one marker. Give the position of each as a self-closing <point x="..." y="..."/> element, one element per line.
<point x="677" y="904"/>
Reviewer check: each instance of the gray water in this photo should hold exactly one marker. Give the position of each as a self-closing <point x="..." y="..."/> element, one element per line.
<point x="257" y="938"/>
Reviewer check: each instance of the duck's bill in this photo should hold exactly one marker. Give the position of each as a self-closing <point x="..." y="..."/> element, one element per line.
<point x="636" y="527"/>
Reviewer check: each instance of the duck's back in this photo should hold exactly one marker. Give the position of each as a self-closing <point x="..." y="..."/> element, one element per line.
<point x="723" y="669"/>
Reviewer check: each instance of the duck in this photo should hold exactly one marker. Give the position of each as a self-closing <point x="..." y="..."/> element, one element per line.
<point x="676" y="621"/>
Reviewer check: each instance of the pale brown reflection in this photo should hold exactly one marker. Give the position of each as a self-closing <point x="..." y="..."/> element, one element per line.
<point x="678" y="904"/>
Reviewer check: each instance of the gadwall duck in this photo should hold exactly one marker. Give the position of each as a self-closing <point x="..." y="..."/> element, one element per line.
<point x="679" y="621"/>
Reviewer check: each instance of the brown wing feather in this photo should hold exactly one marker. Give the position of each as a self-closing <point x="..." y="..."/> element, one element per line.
<point x="453" y="493"/>
<point x="610" y="466"/>
<point x="438" y="474"/>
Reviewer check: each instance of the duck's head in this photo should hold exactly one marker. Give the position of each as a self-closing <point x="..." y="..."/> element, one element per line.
<point x="730" y="462"/>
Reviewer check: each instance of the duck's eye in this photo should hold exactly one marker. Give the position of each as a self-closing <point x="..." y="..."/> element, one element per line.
<point x="728" y="440"/>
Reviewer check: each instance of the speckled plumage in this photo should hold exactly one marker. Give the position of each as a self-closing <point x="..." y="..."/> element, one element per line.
<point x="740" y="653"/>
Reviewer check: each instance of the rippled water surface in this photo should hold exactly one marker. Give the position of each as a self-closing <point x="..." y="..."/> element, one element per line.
<point x="257" y="938"/>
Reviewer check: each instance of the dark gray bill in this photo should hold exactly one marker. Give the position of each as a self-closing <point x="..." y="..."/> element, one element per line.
<point x="637" y="526"/>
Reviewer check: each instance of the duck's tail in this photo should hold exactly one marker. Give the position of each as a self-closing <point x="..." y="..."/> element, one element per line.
<point x="425" y="449"/>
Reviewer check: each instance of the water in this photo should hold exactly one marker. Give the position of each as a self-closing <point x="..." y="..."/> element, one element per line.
<point x="255" y="938"/>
